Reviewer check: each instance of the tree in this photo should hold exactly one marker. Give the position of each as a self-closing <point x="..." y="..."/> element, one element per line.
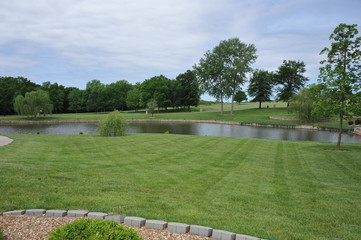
<point x="341" y="73"/>
<point x="33" y="104"/>
<point x="56" y="94"/>
<point x="113" y="125"/>
<point x="116" y="95"/>
<point x="209" y="74"/>
<point x="76" y="100"/>
<point x="223" y="71"/>
<point x="95" y="98"/>
<point x="134" y="98"/>
<point x="152" y="105"/>
<point x="290" y="77"/>
<point x="304" y="104"/>
<point x="260" y="86"/>
<point x="157" y="88"/>
<point x="240" y="97"/>
<point x="188" y="92"/>
<point x="10" y="87"/>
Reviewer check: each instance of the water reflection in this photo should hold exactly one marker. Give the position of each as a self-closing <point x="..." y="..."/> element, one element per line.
<point x="202" y="129"/>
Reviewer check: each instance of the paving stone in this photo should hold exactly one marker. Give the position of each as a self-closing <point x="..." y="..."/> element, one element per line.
<point x="98" y="215"/>
<point x="134" y="221"/>
<point x="77" y="213"/>
<point x="223" y="235"/>
<point x="178" y="227"/>
<point x="117" y="218"/>
<point x="200" y="230"/>
<point x="56" y="213"/>
<point x="35" y="212"/>
<point x="156" y="224"/>
<point x="14" y="212"/>
<point x="246" y="237"/>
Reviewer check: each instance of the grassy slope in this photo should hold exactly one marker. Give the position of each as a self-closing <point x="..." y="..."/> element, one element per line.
<point x="271" y="189"/>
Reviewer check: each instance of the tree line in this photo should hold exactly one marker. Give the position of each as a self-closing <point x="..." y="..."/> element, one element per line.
<point x="180" y="93"/>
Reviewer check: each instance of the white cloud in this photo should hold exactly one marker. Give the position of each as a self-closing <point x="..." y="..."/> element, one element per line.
<point x="133" y="39"/>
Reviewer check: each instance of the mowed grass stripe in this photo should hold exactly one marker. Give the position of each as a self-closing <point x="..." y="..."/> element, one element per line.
<point x="271" y="189"/>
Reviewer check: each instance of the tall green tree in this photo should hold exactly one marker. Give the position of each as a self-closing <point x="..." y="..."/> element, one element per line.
<point x="76" y="100"/>
<point x="95" y="97"/>
<point x="223" y="71"/>
<point x="116" y="95"/>
<point x="157" y="88"/>
<point x="260" y="86"/>
<point x="188" y="92"/>
<point x="290" y="78"/>
<point x="211" y="79"/>
<point x="56" y="94"/>
<point x="305" y="101"/>
<point x="33" y="104"/>
<point x="240" y="96"/>
<point x="341" y="73"/>
<point x="134" y="98"/>
<point x="10" y="87"/>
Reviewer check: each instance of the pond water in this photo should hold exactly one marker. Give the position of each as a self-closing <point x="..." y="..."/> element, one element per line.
<point x="202" y="129"/>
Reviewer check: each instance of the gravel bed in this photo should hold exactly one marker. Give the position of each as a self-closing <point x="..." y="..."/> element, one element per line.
<point x="38" y="227"/>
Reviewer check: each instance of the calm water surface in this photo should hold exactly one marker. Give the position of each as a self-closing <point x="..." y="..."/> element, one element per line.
<point x="201" y="129"/>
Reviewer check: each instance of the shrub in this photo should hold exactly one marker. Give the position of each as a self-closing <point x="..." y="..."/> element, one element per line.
<point x="1" y="233"/>
<point x="81" y="133"/>
<point x="350" y="122"/>
<point x="113" y="125"/>
<point x="93" y="229"/>
<point x="358" y="121"/>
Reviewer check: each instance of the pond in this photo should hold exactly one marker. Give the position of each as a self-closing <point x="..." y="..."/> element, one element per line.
<point x="201" y="129"/>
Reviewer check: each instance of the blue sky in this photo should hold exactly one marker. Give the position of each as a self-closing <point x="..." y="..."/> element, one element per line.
<point x="74" y="41"/>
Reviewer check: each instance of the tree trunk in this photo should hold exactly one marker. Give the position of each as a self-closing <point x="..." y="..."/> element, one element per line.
<point x="221" y="105"/>
<point x="340" y="133"/>
<point x="260" y="105"/>
<point x="232" y="104"/>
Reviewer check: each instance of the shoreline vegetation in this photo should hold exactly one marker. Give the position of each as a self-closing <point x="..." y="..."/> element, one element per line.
<point x="274" y="115"/>
<point x="310" y="127"/>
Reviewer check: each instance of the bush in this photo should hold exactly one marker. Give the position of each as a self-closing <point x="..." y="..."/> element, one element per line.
<point x="350" y="122"/>
<point x="358" y="121"/>
<point x="93" y="229"/>
<point x="113" y="125"/>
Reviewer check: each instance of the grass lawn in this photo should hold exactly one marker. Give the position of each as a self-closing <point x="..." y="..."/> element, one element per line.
<point x="265" y="188"/>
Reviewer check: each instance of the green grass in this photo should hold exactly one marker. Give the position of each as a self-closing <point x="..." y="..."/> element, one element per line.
<point x="266" y="188"/>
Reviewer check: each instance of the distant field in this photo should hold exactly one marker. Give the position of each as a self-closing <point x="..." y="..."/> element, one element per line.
<point x="266" y="188"/>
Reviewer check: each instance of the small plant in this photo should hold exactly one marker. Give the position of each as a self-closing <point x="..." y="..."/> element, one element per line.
<point x="81" y="133"/>
<point x="167" y="132"/>
<point x="1" y="234"/>
<point x="357" y="121"/>
<point x="113" y="125"/>
<point x="350" y="122"/>
<point x="93" y="229"/>
<point x="38" y="133"/>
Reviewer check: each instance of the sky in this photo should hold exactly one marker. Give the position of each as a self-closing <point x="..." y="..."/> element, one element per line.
<point x="72" y="42"/>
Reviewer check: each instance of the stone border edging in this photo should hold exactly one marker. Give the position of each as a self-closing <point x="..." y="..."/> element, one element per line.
<point x="173" y="227"/>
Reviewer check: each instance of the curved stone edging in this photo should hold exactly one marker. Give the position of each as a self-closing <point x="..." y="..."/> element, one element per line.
<point x="173" y="227"/>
